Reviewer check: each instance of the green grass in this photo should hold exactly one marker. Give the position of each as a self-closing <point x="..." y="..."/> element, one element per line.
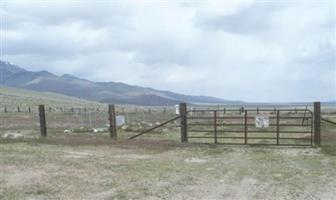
<point x="13" y="97"/>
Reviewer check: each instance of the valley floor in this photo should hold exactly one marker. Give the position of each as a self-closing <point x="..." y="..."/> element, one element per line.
<point x="152" y="169"/>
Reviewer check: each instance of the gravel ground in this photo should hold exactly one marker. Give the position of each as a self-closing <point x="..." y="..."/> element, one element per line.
<point x="154" y="169"/>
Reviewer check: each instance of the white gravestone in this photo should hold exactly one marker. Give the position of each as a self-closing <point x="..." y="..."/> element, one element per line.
<point x="261" y="121"/>
<point x="177" y="109"/>
<point x="120" y="119"/>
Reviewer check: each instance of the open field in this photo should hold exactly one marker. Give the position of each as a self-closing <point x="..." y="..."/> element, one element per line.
<point x="157" y="166"/>
<point x="151" y="169"/>
<point x="13" y="97"/>
<point x="81" y="164"/>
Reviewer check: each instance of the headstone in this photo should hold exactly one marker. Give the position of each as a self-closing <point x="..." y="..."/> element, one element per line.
<point x="120" y="120"/>
<point x="191" y="112"/>
<point x="177" y="109"/>
<point x="261" y="121"/>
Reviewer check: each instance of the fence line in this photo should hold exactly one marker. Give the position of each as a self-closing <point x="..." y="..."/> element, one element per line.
<point x="219" y="118"/>
<point x="315" y="129"/>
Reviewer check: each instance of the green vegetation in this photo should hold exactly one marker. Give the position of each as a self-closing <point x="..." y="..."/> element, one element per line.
<point x="13" y="97"/>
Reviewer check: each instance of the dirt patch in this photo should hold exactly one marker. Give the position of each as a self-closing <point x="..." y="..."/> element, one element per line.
<point x="135" y="156"/>
<point x="12" y="135"/>
<point x="24" y="177"/>
<point x="73" y="154"/>
<point x="195" y="160"/>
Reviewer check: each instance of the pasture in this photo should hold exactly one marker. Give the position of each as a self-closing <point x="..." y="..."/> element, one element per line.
<point x="86" y="166"/>
<point x="83" y="164"/>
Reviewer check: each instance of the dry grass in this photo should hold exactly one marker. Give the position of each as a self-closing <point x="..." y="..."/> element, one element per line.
<point x="99" y="168"/>
<point x="154" y="166"/>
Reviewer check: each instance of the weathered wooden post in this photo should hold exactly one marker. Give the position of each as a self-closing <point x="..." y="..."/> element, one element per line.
<point x="43" y="126"/>
<point x="215" y="126"/>
<point x="18" y="109"/>
<point x="245" y="127"/>
<point x="278" y="126"/>
<point x="112" y="120"/>
<point x="5" y="109"/>
<point x="317" y="123"/>
<point x="29" y="110"/>
<point x="183" y="117"/>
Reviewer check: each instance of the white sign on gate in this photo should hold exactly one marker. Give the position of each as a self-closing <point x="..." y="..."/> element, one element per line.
<point x="261" y="121"/>
<point x="120" y="119"/>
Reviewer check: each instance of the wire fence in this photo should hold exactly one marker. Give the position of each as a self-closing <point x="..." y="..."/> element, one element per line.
<point x="19" y="125"/>
<point x="20" y="121"/>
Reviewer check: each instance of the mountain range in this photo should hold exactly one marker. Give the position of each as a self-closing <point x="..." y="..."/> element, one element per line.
<point x="105" y="92"/>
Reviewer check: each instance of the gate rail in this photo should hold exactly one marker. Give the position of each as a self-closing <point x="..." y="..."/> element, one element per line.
<point x="155" y="127"/>
<point x="246" y="125"/>
<point x="311" y="121"/>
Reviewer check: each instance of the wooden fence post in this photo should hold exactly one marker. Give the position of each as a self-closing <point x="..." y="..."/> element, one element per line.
<point x="245" y="127"/>
<point x="112" y="119"/>
<point x="5" y="109"/>
<point x="18" y="109"/>
<point x="317" y="123"/>
<point x="183" y="114"/>
<point x="29" y="110"/>
<point x="278" y="126"/>
<point x="215" y="126"/>
<point x="43" y="126"/>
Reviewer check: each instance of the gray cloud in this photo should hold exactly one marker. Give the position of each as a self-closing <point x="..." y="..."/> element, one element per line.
<point x="249" y="19"/>
<point x="253" y="52"/>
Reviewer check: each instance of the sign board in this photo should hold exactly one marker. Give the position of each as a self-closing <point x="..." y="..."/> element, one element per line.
<point x="120" y="119"/>
<point x="261" y="121"/>
<point x="177" y="109"/>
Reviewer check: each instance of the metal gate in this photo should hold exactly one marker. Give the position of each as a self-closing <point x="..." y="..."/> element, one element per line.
<point x="251" y="126"/>
<point x="287" y="127"/>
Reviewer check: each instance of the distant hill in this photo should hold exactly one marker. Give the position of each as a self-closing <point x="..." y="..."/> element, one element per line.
<point x="13" y="97"/>
<point x="105" y="92"/>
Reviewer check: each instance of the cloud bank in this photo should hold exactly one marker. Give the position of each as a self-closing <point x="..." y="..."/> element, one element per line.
<point x="247" y="51"/>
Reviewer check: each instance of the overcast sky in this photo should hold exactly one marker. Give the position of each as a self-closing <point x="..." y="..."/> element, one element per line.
<point x="247" y="51"/>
